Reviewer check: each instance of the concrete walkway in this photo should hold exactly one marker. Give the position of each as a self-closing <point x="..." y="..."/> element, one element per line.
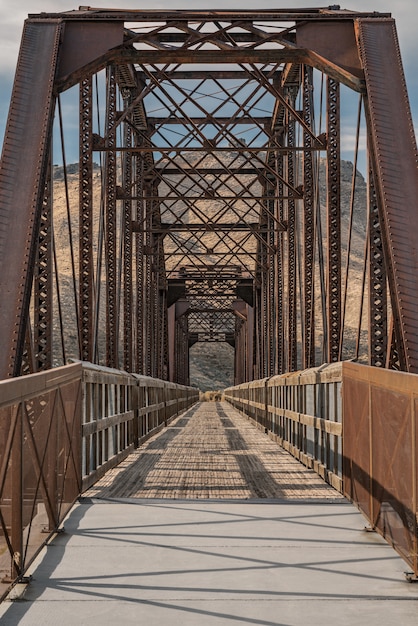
<point x="299" y="557"/>
<point x="197" y="563"/>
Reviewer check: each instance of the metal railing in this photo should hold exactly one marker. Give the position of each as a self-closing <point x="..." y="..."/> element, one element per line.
<point x="380" y="465"/>
<point x="60" y="431"/>
<point x="292" y="409"/>
<point x="120" y="411"/>
<point x="357" y="427"/>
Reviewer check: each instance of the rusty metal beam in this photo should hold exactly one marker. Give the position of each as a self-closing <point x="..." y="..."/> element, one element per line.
<point x="25" y="149"/>
<point x="378" y="322"/>
<point x="112" y="321"/>
<point x="43" y="288"/>
<point x="217" y="181"/>
<point x="86" y="275"/>
<point x="394" y="150"/>
<point x="209" y="227"/>
<point x="308" y="358"/>
<point x="333" y="222"/>
<point x="202" y="16"/>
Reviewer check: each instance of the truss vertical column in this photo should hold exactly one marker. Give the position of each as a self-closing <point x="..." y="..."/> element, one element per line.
<point x="378" y="330"/>
<point x="156" y="313"/>
<point x="258" y="327"/>
<point x="162" y="314"/>
<point x="42" y="321"/>
<point x="308" y="351"/>
<point x="139" y="264"/>
<point x="127" y="259"/>
<point x="291" y="364"/>
<point x="394" y="153"/>
<point x="278" y="274"/>
<point x="271" y="293"/>
<point x="240" y="351"/>
<point x="163" y="365"/>
<point x="158" y="286"/>
<point x="86" y="277"/>
<point x="333" y="221"/>
<point x="111" y="237"/>
<point x="149" y="335"/>
<point x="182" y="350"/>
<point x="263" y="310"/>
<point x="156" y="249"/>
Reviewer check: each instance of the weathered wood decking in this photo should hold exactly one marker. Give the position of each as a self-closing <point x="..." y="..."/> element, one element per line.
<point x="211" y="451"/>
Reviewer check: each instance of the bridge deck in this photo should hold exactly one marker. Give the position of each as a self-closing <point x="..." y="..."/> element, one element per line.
<point x="211" y="451"/>
<point x="303" y="558"/>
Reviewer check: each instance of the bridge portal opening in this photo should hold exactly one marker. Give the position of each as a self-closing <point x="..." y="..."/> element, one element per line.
<point x="205" y="214"/>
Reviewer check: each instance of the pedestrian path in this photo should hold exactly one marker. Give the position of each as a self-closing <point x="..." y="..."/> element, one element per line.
<point x="193" y="558"/>
<point x="212" y="451"/>
<point x="215" y="563"/>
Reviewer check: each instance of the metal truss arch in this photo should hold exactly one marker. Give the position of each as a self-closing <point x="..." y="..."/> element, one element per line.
<point x="206" y="141"/>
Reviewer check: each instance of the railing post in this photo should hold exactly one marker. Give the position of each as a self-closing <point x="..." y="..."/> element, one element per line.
<point x="134" y="401"/>
<point x="17" y="497"/>
<point x="52" y="485"/>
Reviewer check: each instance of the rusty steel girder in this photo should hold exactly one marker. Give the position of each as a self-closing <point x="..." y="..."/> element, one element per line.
<point x="193" y="173"/>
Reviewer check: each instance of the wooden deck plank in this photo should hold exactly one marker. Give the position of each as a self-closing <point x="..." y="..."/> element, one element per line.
<point x="211" y="451"/>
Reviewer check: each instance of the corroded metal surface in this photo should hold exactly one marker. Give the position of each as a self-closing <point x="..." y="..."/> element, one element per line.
<point x="209" y="176"/>
<point x="23" y="171"/>
<point x="380" y="452"/>
<point x="60" y="431"/>
<point x="394" y="153"/>
<point x="357" y="426"/>
<point x="40" y="475"/>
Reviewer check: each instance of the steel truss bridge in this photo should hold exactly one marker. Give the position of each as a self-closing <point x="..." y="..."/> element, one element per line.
<point x="207" y="204"/>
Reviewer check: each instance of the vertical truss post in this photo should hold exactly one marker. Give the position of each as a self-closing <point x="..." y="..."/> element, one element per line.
<point x="155" y="286"/>
<point x="111" y="236"/>
<point x="308" y="350"/>
<point x="164" y="335"/>
<point x="258" y="327"/>
<point x="149" y="337"/>
<point x="291" y="365"/>
<point x="127" y="235"/>
<point x="264" y="308"/>
<point x="239" y="352"/>
<point x="159" y="294"/>
<point x="156" y="313"/>
<point x="42" y="289"/>
<point x="17" y="500"/>
<point x="182" y="350"/>
<point x="86" y="278"/>
<point x="333" y="177"/>
<point x="393" y="149"/>
<point x="271" y="293"/>
<point x="139" y="265"/>
<point x="378" y="330"/>
<point x="278" y="274"/>
<point x="162" y="314"/>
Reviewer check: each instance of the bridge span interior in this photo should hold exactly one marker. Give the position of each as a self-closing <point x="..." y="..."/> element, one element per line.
<point x="208" y="203"/>
<point x="174" y="178"/>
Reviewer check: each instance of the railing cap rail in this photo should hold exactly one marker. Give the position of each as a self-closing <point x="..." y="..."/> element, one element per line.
<point x="14" y="390"/>
<point x="329" y="372"/>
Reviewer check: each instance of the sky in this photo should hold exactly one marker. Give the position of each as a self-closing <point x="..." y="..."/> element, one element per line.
<point x="12" y="17"/>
